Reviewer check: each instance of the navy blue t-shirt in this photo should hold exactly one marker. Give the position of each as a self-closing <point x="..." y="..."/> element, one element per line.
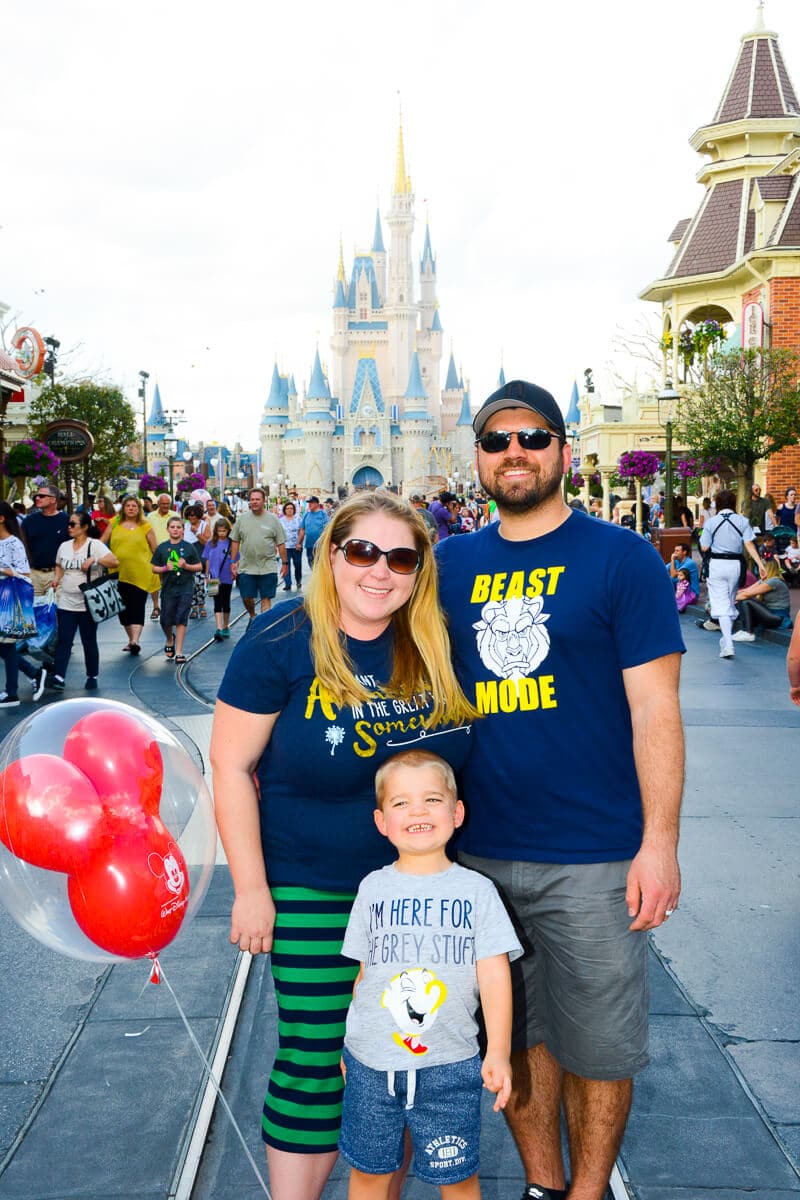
<point x="542" y="631"/>
<point x="317" y="773"/>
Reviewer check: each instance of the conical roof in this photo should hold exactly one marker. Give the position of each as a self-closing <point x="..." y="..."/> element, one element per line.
<point x="759" y="86"/>
<point x="156" y="410"/>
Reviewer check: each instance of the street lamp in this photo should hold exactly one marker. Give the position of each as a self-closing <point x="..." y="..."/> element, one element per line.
<point x="49" y="367"/>
<point x="171" y="447"/>
<point x="667" y="406"/>
<point x="144" y="376"/>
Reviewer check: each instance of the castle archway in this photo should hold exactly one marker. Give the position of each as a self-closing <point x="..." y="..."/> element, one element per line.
<point x="367" y="477"/>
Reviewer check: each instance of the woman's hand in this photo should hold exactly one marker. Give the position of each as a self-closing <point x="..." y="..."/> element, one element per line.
<point x="8" y="570"/>
<point x="253" y="921"/>
<point x="87" y="565"/>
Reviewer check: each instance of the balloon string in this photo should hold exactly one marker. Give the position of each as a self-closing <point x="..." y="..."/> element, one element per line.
<point x="217" y="1088"/>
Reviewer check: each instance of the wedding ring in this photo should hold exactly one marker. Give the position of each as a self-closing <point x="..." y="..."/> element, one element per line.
<point x="668" y="912"/>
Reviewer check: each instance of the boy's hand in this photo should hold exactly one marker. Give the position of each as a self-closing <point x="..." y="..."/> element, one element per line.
<point x="496" y="1075"/>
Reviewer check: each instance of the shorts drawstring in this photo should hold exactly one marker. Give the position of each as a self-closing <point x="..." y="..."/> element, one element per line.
<point x="411" y="1086"/>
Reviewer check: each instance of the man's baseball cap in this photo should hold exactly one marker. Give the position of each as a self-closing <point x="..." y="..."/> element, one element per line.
<point x="519" y="394"/>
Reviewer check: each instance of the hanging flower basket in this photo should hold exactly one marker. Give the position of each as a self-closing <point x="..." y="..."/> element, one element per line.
<point x="694" y="468"/>
<point x="30" y="457"/>
<point x="191" y="483"/>
<point x="639" y="464"/>
<point x="152" y="483"/>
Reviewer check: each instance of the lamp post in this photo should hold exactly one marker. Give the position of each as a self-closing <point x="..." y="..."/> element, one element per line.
<point x="171" y="447"/>
<point x="144" y="376"/>
<point x="51" y="357"/>
<point x="667" y="401"/>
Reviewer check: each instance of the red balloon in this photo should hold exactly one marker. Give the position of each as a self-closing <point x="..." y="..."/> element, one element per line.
<point x="50" y="815"/>
<point x="131" y="898"/>
<point x="122" y="759"/>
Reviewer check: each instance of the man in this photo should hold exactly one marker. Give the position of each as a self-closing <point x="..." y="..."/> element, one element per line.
<point x="45" y="530"/>
<point x="682" y="561"/>
<point x="256" y="538"/>
<point x="758" y="509"/>
<point x="444" y="513"/>
<point x="159" y="519"/>
<point x="576" y="821"/>
<point x="212" y="513"/>
<point x="418" y="503"/>
<point x="314" y="521"/>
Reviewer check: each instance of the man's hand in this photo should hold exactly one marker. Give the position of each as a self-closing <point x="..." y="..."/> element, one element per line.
<point x="654" y="886"/>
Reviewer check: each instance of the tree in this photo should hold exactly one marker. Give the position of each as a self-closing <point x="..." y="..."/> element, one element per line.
<point x="104" y="409"/>
<point x="746" y="410"/>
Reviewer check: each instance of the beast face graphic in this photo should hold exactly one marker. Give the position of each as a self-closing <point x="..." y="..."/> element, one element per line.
<point x="413" y="998"/>
<point x="512" y="639"/>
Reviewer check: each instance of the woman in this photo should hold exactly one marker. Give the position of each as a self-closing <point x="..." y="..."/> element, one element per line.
<point x="770" y="514"/>
<point x="14" y="561"/>
<point x="132" y="542"/>
<point x="197" y="531"/>
<point x="766" y="603"/>
<point x="291" y="521"/>
<point x="217" y="559"/>
<point x="102" y="513"/>
<point x="318" y="694"/>
<point x="787" y="513"/>
<point x="726" y="536"/>
<point x="74" y="562"/>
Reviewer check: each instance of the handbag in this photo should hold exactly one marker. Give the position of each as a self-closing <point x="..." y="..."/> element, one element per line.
<point x="101" y="597"/>
<point x="17" y="621"/>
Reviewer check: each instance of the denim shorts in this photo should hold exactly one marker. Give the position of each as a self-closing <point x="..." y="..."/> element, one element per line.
<point x="444" y="1121"/>
<point x="263" y="587"/>
<point x="581" y="986"/>
<point x="174" y="608"/>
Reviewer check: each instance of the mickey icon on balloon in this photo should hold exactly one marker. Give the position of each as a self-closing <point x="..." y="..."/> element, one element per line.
<point x="96" y="838"/>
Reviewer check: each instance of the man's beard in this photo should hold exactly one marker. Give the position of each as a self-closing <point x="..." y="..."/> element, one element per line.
<point x="525" y="493"/>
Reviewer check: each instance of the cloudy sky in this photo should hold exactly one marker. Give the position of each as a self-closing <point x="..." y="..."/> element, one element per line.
<point x="176" y="176"/>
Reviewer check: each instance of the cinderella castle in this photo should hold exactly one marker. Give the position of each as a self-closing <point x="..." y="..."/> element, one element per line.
<point x="377" y="414"/>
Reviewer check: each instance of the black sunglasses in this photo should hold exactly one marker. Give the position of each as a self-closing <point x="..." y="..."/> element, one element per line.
<point x="72" y="524"/>
<point x="401" y="560"/>
<point x="43" y="496"/>
<point x="529" y="439"/>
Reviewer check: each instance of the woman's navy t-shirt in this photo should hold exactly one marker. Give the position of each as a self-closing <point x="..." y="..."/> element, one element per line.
<point x="317" y="773"/>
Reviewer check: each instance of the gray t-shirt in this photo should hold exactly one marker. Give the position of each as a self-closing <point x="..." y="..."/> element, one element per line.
<point x="419" y="938"/>
<point x="259" y="538"/>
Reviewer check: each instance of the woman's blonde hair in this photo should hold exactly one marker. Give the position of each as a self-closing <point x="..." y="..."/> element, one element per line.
<point x="772" y="569"/>
<point x="121" y="514"/>
<point x="421" y="654"/>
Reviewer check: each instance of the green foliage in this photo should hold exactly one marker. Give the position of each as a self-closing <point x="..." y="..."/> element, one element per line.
<point x="105" y="410"/>
<point x="747" y="409"/>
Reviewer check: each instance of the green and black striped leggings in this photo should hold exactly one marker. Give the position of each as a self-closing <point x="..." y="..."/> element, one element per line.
<point x="313" y="986"/>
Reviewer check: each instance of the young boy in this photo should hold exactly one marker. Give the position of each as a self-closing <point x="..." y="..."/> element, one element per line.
<point x="431" y="938"/>
<point x="177" y="562"/>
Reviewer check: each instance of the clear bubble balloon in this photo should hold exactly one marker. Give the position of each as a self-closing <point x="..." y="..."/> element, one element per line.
<point x="107" y="834"/>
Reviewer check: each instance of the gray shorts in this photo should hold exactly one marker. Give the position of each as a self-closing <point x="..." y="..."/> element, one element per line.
<point x="581" y="986"/>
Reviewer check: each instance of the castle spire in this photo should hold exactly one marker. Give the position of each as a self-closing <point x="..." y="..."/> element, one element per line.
<point x="340" y="275"/>
<point x="402" y="181"/>
<point x="377" y="239"/>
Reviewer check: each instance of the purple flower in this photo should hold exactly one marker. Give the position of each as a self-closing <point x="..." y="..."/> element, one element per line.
<point x="639" y="464"/>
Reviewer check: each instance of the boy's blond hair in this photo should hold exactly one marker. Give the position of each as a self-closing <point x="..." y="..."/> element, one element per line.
<point x="414" y="758"/>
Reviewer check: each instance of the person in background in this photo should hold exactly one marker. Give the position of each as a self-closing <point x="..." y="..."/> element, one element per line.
<point x="758" y="508"/>
<point x="443" y="512"/>
<point x="766" y="604"/>
<point x="217" y="559"/>
<point x="791" y="564"/>
<point x="158" y="518"/>
<point x="314" y="521"/>
<point x="257" y="539"/>
<point x="45" y="530"/>
<point x="101" y="513"/>
<point x="132" y="541"/>
<point x="684" y="594"/>
<point x="727" y="535"/>
<point x="291" y="521"/>
<point x="14" y="561"/>
<point x="682" y="561"/>
<point x="770" y="513"/>
<point x="418" y="503"/>
<point x="787" y="513"/>
<point x="177" y="563"/>
<point x="74" y="563"/>
<point x="196" y="531"/>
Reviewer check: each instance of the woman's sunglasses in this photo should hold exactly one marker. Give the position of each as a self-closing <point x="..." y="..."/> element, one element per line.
<point x="401" y="560"/>
<point x="529" y="439"/>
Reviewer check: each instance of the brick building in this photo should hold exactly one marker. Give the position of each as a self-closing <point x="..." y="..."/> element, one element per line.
<point x="737" y="260"/>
